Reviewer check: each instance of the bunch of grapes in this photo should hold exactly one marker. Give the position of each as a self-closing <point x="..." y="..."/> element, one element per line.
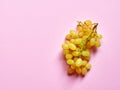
<point x="77" y="46"/>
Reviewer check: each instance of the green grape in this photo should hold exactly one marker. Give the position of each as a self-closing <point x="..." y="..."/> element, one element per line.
<point x="72" y="41"/>
<point x="84" y="71"/>
<point x="70" y="62"/>
<point x="78" y="62"/>
<point x="68" y="36"/>
<point x="68" y="56"/>
<point x="92" y="41"/>
<point x="72" y="46"/>
<point x="99" y="36"/>
<point x="97" y="43"/>
<point x="73" y="33"/>
<point x="84" y="63"/>
<point x="80" y="34"/>
<point x="78" y="41"/>
<point x="65" y="46"/>
<point x="88" y="22"/>
<point x="88" y="66"/>
<point x="66" y="51"/>
<point x="86" y="53"/>
<point x="75" y="53"/>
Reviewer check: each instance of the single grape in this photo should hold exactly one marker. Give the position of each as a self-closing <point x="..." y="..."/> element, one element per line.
<point x="66" y="51"/>
<point x="70" y="62"/>
<point x="86" y="53"/>
<point x="73" y="33"/>
<point x="72" y="46"/>
<point x="75" y="53"/>
<point x="72" y="41"/>
<point x="88" y="22"/>
<point x="78" y="62"/>
<point x="65" y="46"/>
<point x="84" y="63"/>
<point x="80" y="34"/>
<point x="78" y="41"/>
<point x="68" y="36"/>
<point x="99" y="36"/>
<point x="84" y="71"/>
<point x="68" y="56"/>
<point x="88" y="66"/>
<point x="92" y="41"/>
<point x="97" y="43"/>
<point x="67" y="41"/>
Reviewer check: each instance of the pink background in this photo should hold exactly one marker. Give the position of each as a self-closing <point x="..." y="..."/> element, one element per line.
<point x="31" y="34"/>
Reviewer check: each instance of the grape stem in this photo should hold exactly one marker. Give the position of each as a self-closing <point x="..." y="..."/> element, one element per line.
<point x="94" y="29"/>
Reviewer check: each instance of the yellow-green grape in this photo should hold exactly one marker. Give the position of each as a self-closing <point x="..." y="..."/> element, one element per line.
<point x="73" y="33"/>
<point x="86" y="53"/>
<point x="68" y="56"/>
<point x="84" y="63"/>
<point x="99" y="36"/>
<point x="97" y="43"/>
<point x="79" y="28"/>
<point x="68" y="36"/>
<point x="88" y="22"/>
<point x="80" y="23"/>
<point x="66" y="51"/>
<point x="84" y="71"/>
<point x="92" y="41"/>
<point x="70" y="71"/>
<point x="88" y="66"/>
<point x="70" y="62"/>
<point x="78" y="70"/>
<point x="72" y="40"/>
<point x="80" y="34"/>
<point x="72" y="46"/>
<point x="78" y="62"/>
<point x="78" y="41"/>
<point x="65" y="46"/>
<point x="75" y="53"/>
